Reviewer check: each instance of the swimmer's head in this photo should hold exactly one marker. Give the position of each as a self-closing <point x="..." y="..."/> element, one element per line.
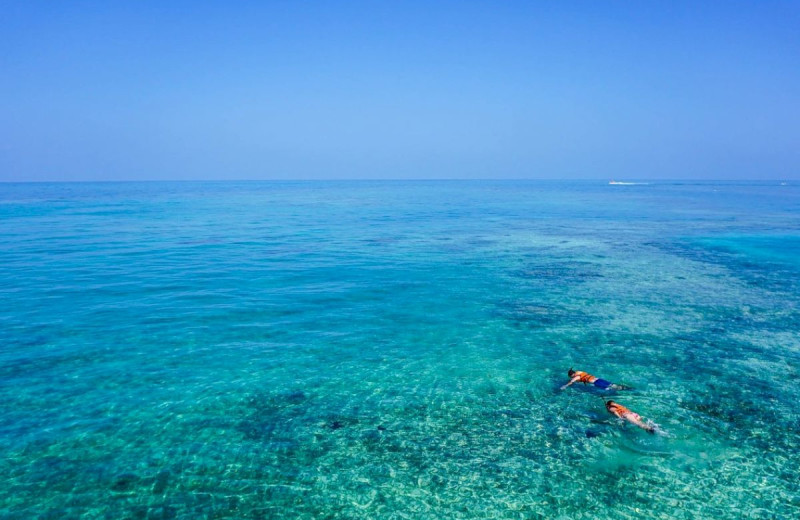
<point x="571" y="372"/>
<point x="610" y="403"/>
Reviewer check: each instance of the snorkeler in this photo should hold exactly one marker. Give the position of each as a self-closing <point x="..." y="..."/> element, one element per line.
<point x="586" y="378"/>
<point x="632" y="417"/>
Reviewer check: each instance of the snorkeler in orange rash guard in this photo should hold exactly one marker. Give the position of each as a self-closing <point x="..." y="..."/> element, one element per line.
<point x="632" y="417"/>
<point x="576" y="376"/>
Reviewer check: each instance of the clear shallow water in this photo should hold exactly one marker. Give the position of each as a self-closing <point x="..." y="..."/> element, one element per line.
<point x="393" y="350"/>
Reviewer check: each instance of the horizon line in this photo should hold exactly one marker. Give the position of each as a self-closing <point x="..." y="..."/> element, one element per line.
<point x="507" y="179"/>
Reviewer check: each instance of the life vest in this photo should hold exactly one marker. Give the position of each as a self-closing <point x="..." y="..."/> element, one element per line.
<point x="618" y="409"/>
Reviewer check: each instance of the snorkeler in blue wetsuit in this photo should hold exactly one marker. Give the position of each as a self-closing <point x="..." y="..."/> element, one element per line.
<point x="576" y="376"/>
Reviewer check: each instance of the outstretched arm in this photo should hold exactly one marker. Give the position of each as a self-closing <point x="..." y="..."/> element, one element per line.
<point x="573" y="380"/>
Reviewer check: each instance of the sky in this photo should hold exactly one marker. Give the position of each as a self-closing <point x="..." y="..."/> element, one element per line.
<point x="176" y="90"/>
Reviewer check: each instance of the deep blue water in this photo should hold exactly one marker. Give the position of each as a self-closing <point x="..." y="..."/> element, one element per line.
<point x="394" y="350"/>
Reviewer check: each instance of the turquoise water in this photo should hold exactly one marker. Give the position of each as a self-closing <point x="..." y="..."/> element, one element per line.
<point x="394" y="350"/>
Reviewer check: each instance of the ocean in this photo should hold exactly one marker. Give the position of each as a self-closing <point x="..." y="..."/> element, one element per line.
<point x="394" y="350"/>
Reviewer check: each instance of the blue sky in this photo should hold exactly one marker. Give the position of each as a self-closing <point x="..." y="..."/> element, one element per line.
<point x="312" y="90"/>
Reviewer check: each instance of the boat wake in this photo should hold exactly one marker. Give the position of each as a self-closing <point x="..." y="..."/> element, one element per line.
<point x="620" y="183"/>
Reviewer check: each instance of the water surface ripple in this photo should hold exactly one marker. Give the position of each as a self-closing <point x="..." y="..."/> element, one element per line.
<point x="394" y="350"/>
